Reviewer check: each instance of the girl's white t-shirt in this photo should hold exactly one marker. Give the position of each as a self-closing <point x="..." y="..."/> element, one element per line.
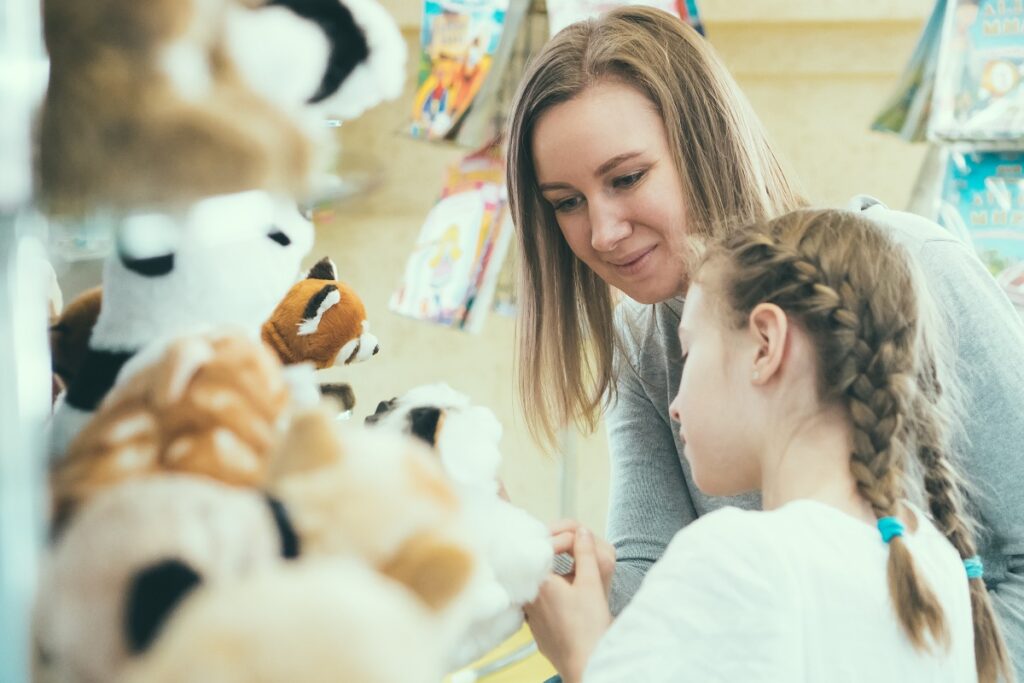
<point x="799" y="593"/>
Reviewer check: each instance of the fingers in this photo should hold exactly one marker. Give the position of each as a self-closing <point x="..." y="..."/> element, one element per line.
<point x="585" y="553"/>
<point x="563" y="541"/>
<point x="563" y="525"/>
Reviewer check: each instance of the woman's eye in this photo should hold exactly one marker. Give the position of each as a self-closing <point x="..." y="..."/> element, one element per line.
<point x="629" y="180"/>
<point x="565" y="205"/>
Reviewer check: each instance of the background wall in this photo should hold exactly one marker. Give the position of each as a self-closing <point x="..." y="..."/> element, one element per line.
<point x="815" y="70"/>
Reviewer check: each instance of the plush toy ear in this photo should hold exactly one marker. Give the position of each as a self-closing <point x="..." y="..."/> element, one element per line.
<point x="316" y="307"/>
<point x="341" y="392"/>
<point x="383" y="408"/>
<point x="425" y="423"/>
<point x="324" y="269"/>
<point x="152" y="596"/>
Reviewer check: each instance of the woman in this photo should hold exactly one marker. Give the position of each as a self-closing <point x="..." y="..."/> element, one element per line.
<point x="627" y="134"/>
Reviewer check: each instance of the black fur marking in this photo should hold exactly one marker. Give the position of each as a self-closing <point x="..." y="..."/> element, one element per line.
<point x="290" y="545"/>
<point x="154" y="266"/>
<point x="423" y="423"/>
<point x="279" y="237"/>
<point x="383" y="408"/>
<point x="348" y="44"/>
<point x="153" y="595"/>
<point x="95" y="377"/>
<point x="323" y="270"/>
<point x="314" y="303"/>
<point x="342" y="392"/>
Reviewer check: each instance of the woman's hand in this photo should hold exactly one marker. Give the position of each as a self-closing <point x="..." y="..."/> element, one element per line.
<point x="563" y="536"/>
<point x="571" y="613"/>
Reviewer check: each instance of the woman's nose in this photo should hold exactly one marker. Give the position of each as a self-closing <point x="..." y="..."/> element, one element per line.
<point x="607" y="227"/>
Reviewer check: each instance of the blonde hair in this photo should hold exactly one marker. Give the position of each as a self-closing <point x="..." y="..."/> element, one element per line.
<point x="730" y="175"/>
<point x="881" y="354"/>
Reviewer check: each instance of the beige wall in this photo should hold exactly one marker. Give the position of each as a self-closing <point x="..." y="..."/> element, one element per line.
<point x="815" y="70"/>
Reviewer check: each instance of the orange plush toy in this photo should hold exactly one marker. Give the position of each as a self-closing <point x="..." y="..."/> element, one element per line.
<point x="321" y="320"/>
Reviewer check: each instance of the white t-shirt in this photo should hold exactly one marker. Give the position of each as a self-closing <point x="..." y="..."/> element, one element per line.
<point x="794" y="594"/>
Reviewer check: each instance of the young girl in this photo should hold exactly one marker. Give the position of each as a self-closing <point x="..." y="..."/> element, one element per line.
<point x="813" y="374"/>
<point x="627" y="136"/>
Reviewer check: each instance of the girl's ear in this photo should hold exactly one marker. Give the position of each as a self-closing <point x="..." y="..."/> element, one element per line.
<point x="769" y="327"/>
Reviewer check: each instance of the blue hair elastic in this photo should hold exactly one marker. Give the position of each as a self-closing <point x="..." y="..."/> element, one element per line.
<point x="890" y="527"/>
<point x="975" y="569"/>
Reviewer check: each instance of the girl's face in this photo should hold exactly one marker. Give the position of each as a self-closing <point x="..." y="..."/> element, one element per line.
<point x="603" y="163"/>
<point x="715" y="406"/>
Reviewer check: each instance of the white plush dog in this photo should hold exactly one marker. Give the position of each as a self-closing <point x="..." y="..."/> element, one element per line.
<point x="515" y="546"/>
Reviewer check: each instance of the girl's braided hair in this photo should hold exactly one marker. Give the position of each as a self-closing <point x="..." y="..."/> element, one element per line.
<point x="858" y="296"/>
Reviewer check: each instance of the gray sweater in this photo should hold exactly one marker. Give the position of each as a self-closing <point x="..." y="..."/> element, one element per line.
<point x="652" y="490"/>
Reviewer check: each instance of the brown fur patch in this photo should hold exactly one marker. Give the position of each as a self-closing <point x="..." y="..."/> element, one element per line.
<point x="69" y="334"/>
<point x="433" y="567"/>
<point x="230" y="402"/>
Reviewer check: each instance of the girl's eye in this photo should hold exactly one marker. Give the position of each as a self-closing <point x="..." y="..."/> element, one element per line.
<point x="566" y="205"/>
<point x="629" y="180"/>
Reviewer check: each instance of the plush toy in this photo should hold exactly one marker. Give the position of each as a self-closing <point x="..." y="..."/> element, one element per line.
<point x="175" y="100"/>
<point x="225" y="261"/>
<point x="515" y="546"/>
<point x="210" y="405"/>
<point x="130" y="556"/>
<point x="321" y="320"/>
<point x="313" y="621"/>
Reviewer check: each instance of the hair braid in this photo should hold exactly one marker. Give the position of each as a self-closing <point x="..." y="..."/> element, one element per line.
<point x="944" y="488"/>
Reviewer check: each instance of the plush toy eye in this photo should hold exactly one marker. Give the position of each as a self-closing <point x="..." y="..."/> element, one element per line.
<point x="279" y="237"/>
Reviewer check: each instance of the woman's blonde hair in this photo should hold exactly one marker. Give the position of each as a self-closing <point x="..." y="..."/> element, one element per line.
<point x="730" y="175"/>
<point x="881" y="353"/>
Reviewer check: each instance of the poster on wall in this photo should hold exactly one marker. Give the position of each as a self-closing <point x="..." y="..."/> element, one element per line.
<point x="457" y="46"/>
<point x="452" y="274"/>
<point x="982" y="201"/>
<point x="561" y="13"/>
<point x="979" y="89"/>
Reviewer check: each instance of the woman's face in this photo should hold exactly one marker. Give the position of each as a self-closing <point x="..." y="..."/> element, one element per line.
<point x="603" y="163"/>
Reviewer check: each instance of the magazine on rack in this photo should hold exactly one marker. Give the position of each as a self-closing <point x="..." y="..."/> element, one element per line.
<point x="458" y="43"/>
<point x="979" y="90"/>
<point x="451" y="275"/>
<point x="982" y="201"/>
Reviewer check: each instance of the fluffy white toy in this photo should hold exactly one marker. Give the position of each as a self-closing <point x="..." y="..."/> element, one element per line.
<point x="516" y="547"/>
<point x="314" y="621"/>
<point x="224" y="261"/>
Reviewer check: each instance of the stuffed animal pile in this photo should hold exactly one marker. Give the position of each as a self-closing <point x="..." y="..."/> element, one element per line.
<point x="211" y="518"/>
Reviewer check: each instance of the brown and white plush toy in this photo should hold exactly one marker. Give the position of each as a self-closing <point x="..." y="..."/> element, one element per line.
<point x="170" y="101"/>
<point x="136" y="550"/>
<point x="319" y="621"/>
<point x="321" y="320"/>
<point x="210" y="405"/>
<point x="515" y="548"/>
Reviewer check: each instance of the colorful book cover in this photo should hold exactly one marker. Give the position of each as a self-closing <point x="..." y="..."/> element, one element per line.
<point x="458" y="42"/>
<point x="561" y="13"/>
<point x="979" y="94"/>
<point x="451" y="275"/>
<point x="982" y="201"/>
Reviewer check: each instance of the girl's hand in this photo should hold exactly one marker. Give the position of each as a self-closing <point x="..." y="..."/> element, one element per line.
<point x="563" y="536"/>
<point x="571" y="614"/>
